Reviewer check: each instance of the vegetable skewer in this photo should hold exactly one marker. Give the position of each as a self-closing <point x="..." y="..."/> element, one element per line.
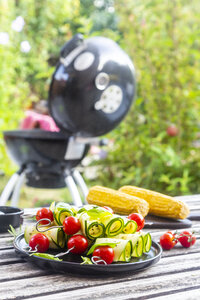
<point x="92" y="226"/>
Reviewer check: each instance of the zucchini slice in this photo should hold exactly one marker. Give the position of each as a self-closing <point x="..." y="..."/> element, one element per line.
<point x="61" y="211"/>
<point x="90" y="228"/>
<point x="147" y="242"/>
<point x="95" y="230"/>
<point x="138" y="249"/>
<point x="114" y="225"/>
<point x="56" y="236"/>
<point x="29" y="231"/>
<point x="136" y="240"/>
<point x="83" y="218"/>
<point x="127" y="252"/>
<point x="130" y="226"/>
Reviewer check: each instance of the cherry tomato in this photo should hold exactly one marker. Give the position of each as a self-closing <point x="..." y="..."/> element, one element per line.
<point x="44" y="213"/>
<point x="104" y="252"/>
<point x="39" y="242"/>
<point x="138" y="218"/>
<point x="79" y="242"/>
<point x="109" y="209"/>
<point x="175" y="235"/>
<point x="71" y="225"/>
<point x="187" y="239"/>
<point x="168" y="240"/>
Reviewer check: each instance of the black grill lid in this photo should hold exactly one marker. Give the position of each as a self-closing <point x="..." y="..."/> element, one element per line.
<point x="92" y="88"/>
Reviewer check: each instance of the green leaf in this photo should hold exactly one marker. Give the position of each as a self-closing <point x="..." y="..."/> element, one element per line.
<point x="45" y="255"/>
<point x="13" y="232"/>
<point x="86" y="260"/>
<point x="98" y="213"/>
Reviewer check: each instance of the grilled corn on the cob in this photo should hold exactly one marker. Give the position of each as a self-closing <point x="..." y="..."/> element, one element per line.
<point x="121" y="203"/>
<point x="159" y="204"/>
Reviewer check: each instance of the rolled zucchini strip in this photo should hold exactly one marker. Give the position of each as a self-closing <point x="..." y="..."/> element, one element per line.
<point x="126" y="248"/>
<point x="56" y="236"/>
<point x="95" y="230"/>
<point x="137" y="242"/>
<point x="83" y="218"/>
<point x="92" y="229"/>
<point x="122" y="248"/>
<point x="114" y="225"/>
<point x="139" y="247"/>
<point x="61" y="211"/>
<point x="147" y="242"/>
<point x="130" y="226"/>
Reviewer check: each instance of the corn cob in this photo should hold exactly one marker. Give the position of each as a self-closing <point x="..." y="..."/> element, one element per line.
<point x="159" y="204"/>
<point x="120" y="202"/>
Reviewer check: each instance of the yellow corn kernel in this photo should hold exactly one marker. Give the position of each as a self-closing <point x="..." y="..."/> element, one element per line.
<point x="121" y="203"/>
<point x="159" y="204"/>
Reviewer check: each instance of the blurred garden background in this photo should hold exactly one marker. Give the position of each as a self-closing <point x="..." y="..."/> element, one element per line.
<point x="157" y="146"/>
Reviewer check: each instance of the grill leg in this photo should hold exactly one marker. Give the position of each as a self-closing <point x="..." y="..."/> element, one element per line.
<point x="9" y="188"/>
<point x="81" y="183"/>
<point x="17" y="188"/>
<point x="73" y="190"/>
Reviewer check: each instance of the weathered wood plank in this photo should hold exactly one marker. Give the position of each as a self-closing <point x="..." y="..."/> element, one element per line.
<point x="8" y="256"/>
<point x="41" y="285"/>
<point x="145" y="288"/>
<point x="191" y="294"/>
<point x="6" y="243"/>
<point x="4" y="235"/>
<point x="7" y="234"/>
<point x="169" y="264"/>
<point x="194" y="207"/>
<point x="20" y="271"/>
<point x="188" y="198"/>
<point x="52" y="284"/>
<point x="191" y="201"/>
<point x="178" y="250"/>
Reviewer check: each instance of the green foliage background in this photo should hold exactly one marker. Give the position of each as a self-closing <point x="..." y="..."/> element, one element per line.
<point x="162" y="38"/>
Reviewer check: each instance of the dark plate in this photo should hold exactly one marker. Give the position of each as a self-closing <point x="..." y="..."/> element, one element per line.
<point x="72" y="263"/>
<point x="166" y="223"/>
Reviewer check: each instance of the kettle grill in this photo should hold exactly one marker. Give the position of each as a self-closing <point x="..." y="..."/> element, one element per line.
<point x="91" y="91"/>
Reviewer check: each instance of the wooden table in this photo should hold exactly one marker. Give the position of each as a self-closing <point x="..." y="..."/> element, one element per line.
<point x="175" y="276"/>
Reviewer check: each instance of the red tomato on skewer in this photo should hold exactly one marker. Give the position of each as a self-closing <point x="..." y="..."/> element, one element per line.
<point x="104" y="252"/>
<point x="139" y="219"/>
<point x="77" y="243"/>
<point x="71" y="225"/>
<point x="39" y="242"/>
<point x="44" y="213"/>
